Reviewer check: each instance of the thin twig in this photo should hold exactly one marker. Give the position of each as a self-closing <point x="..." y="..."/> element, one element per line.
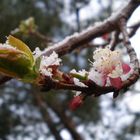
<point x="133" y="28"/>
<point x="41" y="37"/>
<point x="132" y="54"/>
<point x="115" y="40"/>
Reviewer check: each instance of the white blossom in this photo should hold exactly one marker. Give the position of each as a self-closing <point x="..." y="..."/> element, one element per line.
<point x="95" y="76"/>
<point x="47" y="61"/>
<point x="108" y="68"/>
<point x="107" y="61"/>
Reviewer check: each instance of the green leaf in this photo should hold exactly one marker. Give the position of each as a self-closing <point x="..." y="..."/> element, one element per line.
<point x="21" y="46"/>
<point x="15" y="63"/>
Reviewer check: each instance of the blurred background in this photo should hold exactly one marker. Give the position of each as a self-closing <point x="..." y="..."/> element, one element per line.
<point x="26" y="113"/>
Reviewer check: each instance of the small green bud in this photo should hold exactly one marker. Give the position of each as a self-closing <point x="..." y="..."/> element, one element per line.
<point x="16" y="60"/>
<point x="80" y="77"/>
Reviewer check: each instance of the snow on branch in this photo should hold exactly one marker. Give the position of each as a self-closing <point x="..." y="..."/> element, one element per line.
<point x="100" y="28"/>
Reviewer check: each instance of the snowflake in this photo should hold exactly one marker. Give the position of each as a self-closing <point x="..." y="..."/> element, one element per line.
<point x="47" y="63"/>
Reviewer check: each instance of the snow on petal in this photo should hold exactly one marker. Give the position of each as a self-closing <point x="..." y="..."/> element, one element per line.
<point x="37" y="53"/>
<point x="5" y="45"/>
<point x="116" y="82"/>
<point x="78" y="83"/>
<point x="96" y="77"/>
<point x="52" y="59"/>
<point x="46" y="72"/>
<point x="47" y="61"/>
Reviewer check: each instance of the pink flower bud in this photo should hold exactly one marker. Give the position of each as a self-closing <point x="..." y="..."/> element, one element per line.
<point x="116" y="82"/>
<point x="76" y="102"/>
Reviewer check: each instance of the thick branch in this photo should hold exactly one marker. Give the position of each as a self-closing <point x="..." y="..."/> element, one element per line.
<point x="114" y="40"/>
<point x="134" y="28"/>
<point x="79" y="39"/>
<point x="72" y="42"/>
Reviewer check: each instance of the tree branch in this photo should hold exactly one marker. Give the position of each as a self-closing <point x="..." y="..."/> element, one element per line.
<point x="79" y="39"/>
<point x="76" y="40"/>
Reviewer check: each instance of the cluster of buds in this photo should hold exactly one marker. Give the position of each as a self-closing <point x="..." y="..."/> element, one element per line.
<point x="107" y="69"/>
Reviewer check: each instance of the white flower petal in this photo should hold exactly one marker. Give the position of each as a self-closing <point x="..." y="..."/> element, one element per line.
<point x="78" y="83"/>
<point x="96" y="77"/>
<point x="37" y="53"/>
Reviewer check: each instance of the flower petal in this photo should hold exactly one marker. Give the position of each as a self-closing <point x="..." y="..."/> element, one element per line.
<point x="78" y="83"/>
<point x="116" y="82"/>
<point x="126" y="68"/>
<point x="75" y="103"/>
<point x="104" y="80"/>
